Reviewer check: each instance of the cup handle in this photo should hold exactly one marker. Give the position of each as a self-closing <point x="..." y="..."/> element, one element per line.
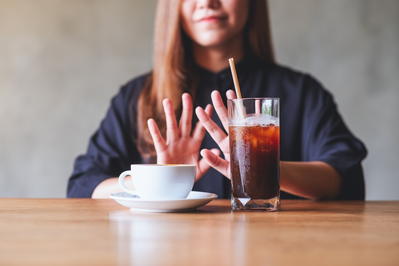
<point x="122" y="182"/>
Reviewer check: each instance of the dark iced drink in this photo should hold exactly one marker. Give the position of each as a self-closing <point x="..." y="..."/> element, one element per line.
<point x="255" y="162"/>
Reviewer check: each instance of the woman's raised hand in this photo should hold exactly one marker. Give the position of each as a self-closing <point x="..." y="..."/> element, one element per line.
<point x="218" y="135"/>
<point x="181" y="145"/>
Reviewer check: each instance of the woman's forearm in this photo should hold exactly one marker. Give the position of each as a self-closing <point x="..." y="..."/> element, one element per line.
<point x="313" y="180"/>
<point x="108" y="186"/>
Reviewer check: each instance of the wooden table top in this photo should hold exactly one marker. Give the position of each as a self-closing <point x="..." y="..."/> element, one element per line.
<point x="102" y="232"/>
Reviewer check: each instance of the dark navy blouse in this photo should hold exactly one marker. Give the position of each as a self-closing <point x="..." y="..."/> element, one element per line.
<point x="311" y="129"/>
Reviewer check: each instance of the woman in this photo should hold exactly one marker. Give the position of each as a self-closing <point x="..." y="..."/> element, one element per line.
<point x="320" y="158"/>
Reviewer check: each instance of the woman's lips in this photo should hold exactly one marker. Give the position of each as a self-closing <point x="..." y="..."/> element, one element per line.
<point x="212" y="19"/>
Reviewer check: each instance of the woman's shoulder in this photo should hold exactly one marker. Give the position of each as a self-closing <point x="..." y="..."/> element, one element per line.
<point x="128" y="94"/>
<point x="295" y="81"/>
<point x="134" y="86"/>
<point x="280" y="73"/>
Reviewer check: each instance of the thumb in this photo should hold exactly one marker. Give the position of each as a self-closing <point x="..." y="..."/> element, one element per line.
<point x="203" y="166"/>
<point x="216" y="162"/>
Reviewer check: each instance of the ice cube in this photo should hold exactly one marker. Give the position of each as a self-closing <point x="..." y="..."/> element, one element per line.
<point x="255" y="120"/>
<point x="261" y="119"/>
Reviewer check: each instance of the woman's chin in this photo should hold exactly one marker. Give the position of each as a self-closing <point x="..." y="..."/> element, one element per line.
<point x="215" y="42"/>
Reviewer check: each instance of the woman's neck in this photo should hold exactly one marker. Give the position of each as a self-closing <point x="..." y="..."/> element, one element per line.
<point x="216" y="58"/>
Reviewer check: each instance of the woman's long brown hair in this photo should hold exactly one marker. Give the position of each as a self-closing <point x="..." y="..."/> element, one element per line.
<point x="171" y="75"/>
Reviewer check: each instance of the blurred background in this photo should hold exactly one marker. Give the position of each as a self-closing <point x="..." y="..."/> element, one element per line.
<point x="62" y="61"/>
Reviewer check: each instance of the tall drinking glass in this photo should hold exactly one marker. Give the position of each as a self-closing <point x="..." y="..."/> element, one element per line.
<point x="254" y="133"/>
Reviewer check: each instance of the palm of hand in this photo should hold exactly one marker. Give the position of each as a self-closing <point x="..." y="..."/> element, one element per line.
<point x="220" y="137"/>
<point x="181" y="145"/>
<point x="184" y="150"/>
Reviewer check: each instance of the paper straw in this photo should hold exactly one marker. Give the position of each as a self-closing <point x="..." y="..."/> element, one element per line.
<point x="235" y="78"/>
<point x="237" y="88"/>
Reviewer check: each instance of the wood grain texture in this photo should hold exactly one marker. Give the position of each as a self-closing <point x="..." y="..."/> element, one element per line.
<point x="102" y="232"/>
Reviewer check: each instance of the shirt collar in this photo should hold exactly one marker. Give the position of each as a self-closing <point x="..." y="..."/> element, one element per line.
<point x="242" y="67"/>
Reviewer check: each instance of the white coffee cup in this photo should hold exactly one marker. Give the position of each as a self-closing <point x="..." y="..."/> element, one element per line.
<point x="160" y="181"/>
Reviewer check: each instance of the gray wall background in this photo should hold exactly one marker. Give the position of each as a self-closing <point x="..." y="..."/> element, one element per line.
<point x="62" y="61"/>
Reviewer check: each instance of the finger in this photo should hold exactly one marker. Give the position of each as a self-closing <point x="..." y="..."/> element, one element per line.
<point x="172" y="132"/>
<point x="199" y="130"/>
<point x="220" y="109"/>
<point x="157" y="138"/>
<point x="214" y="130"/>
<point x="231" y="94"/>
<point x="203" y="166"/>
<point x="186" y="116"/>
<point x="222" y="166"/>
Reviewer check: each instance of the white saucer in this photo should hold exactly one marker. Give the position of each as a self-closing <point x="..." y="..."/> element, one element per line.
<point x="194" y="200"/>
